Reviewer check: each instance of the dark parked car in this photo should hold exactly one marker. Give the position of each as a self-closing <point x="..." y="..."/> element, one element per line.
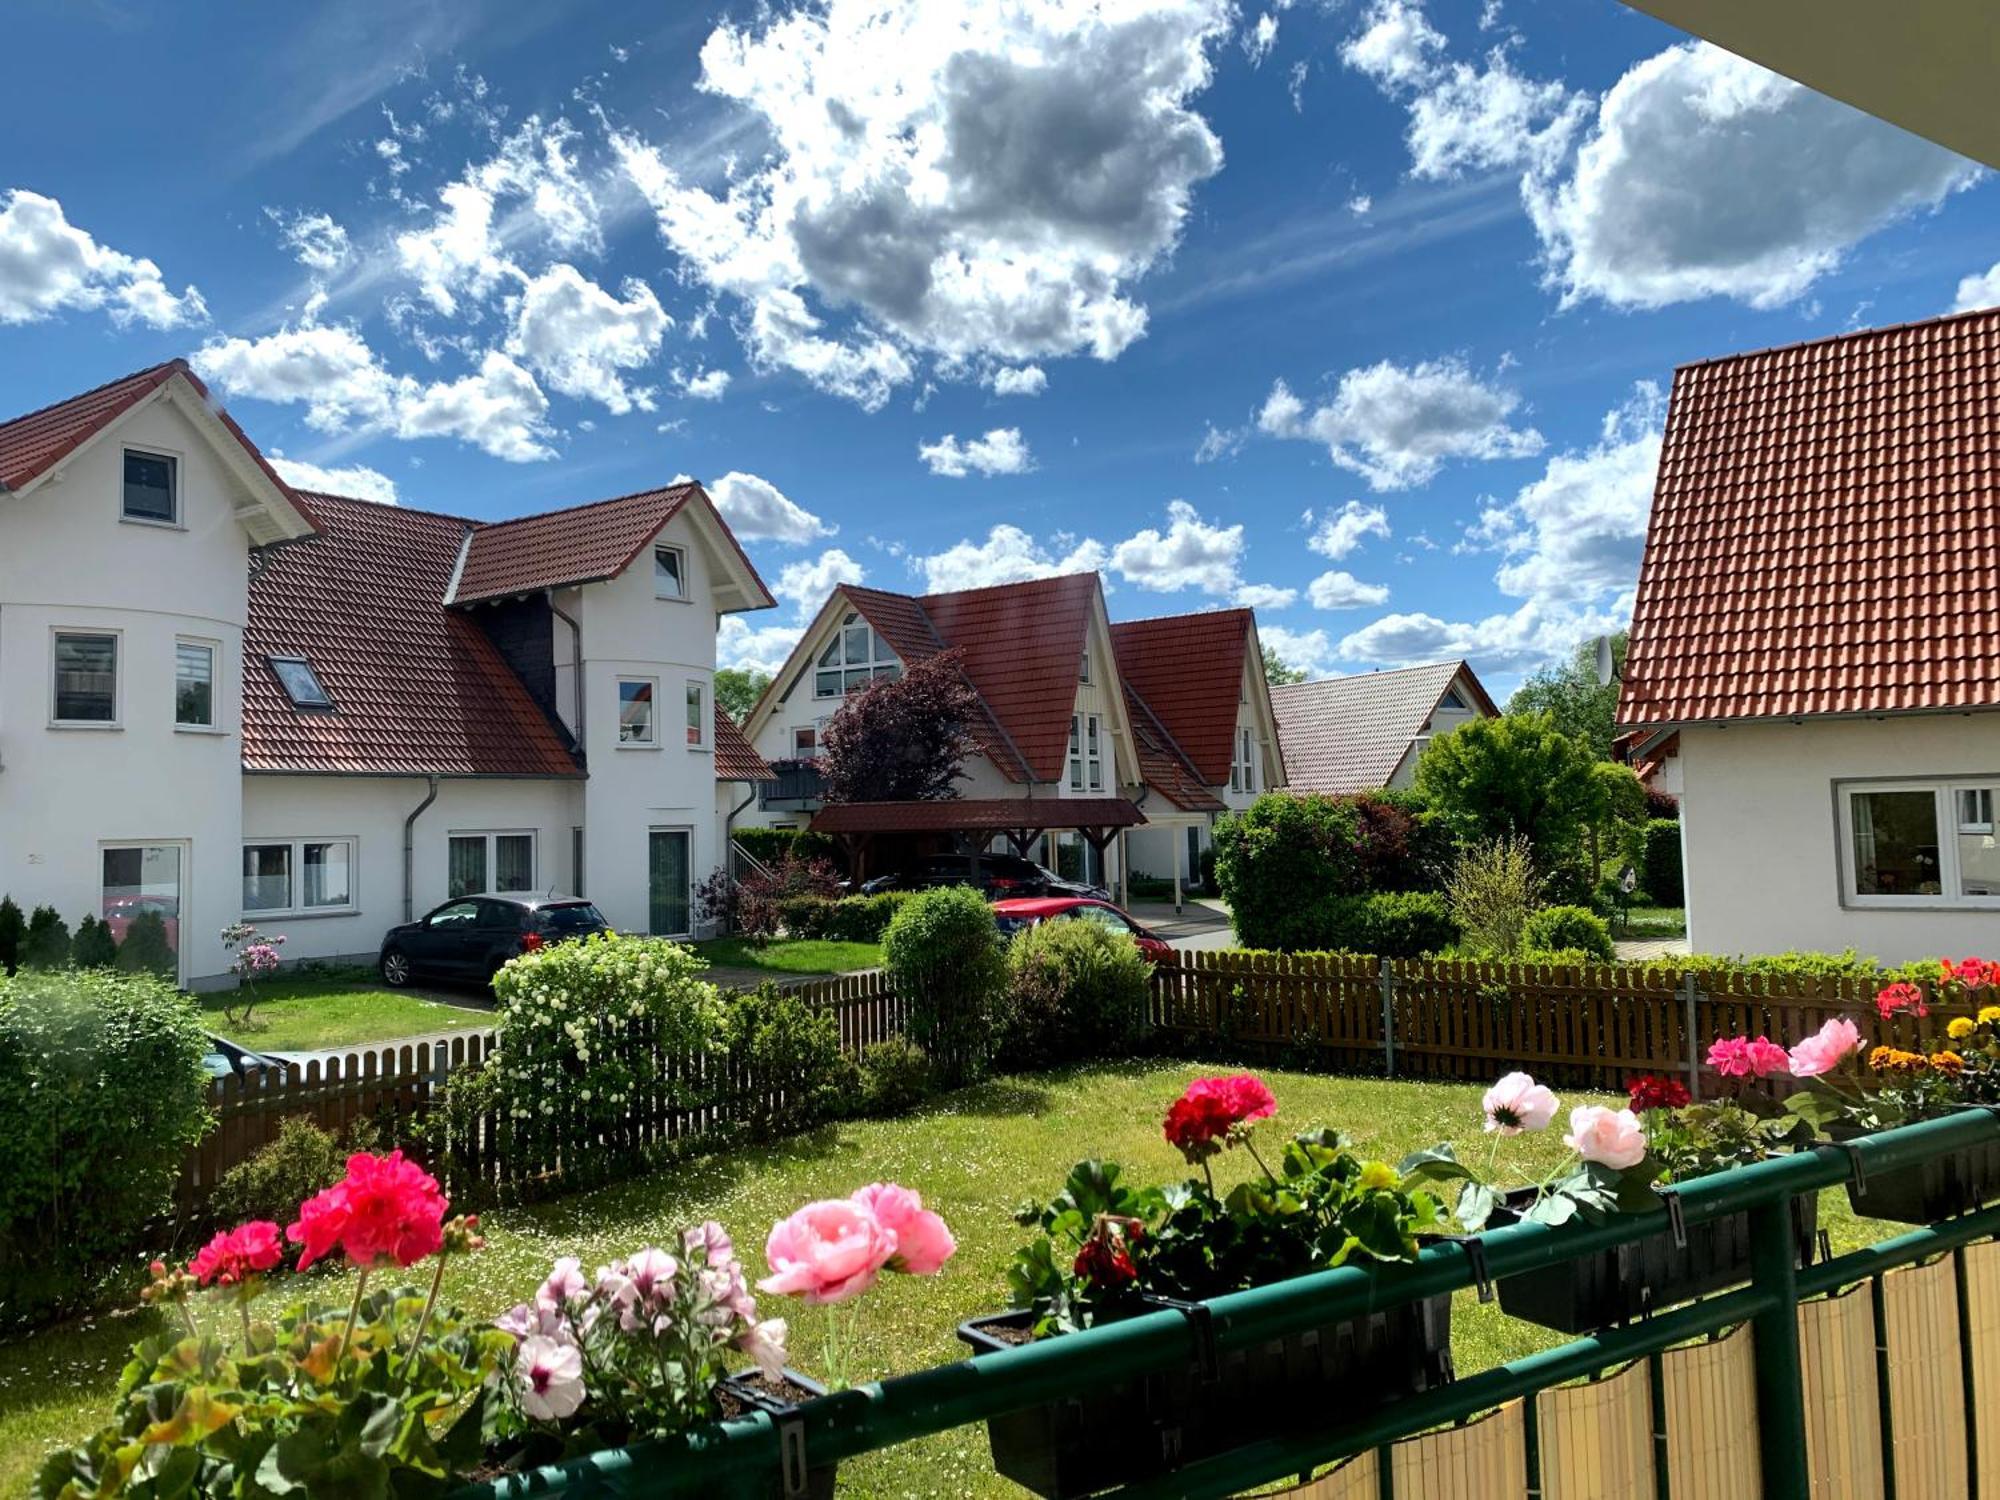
<point x="225" y="1058"/>
<point x="1000" y="876"/>
<point x="470" y="938"/>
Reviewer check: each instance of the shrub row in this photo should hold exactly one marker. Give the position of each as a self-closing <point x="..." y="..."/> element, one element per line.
<point x="42" y="940"/>
<point x="773" y="845"/>
<point x="844" y="919"/>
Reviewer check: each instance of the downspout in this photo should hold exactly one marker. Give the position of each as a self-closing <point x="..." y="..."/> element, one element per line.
<point x="410" y="851"/>
<point x="575" y="661"/>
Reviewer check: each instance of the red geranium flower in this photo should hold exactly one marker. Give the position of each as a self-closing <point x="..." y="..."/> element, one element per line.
<point x="233" y="1257"/>
<point x="1902" y="998"/>
<point x="1654" y="1092"/>
<point x="1105" y="1260"/>
<point x="1211" y="1108"/>
<point x="1973" y="973"/>
<point x="385" y="1209"/>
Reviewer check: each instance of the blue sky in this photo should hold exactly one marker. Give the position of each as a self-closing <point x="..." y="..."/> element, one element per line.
<point x="1362" y="313"/>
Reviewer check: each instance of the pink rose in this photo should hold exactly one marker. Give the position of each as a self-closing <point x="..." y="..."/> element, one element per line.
<point x="923" y="1243"/>
<point x="1517" y="1103"/>
<point x="1826" y="1049"/>
<point x="827" y="1252"/>
<point x="1612" y="1137"/>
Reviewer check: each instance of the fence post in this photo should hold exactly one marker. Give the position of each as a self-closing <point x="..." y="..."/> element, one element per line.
<point x="1388" y="985"/>
<point x="1688" y="995"/>
<point x="1781" y="1411"/>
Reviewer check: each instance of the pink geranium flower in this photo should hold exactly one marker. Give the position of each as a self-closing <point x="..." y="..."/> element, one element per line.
<point x="1612" y="1137"/>
<point x="827" y="1252"/>
<point x="1517" y="1103"/>
<point x="386" y="1209"/>
<point x="1826" y="1048"/>
<point x="923" y="1243"/>
<point x="234" y="1257"/>
<point x="1747" y="1057"/>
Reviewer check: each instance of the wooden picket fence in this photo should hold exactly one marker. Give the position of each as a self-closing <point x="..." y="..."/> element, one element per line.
<point x="1588" y="1027"/>
<point x="399" y="1088"/>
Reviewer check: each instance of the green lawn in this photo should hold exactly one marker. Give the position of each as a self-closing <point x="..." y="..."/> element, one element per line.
<point x="1652" y="922"/>
<point x="973" y="1156"/>
<point x="302" y="1012"/>
<point x="790" y="955"/>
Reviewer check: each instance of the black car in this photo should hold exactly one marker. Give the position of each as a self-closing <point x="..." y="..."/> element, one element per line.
<point x="1000" y="876"/>
<point x="470" y="938"/>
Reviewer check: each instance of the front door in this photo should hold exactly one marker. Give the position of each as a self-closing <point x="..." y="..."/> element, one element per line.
<point x="670" y="903"/>
<point x="144" y="896"/>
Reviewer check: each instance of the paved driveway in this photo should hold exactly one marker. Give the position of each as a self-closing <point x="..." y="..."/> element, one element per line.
<point x="1198" y="924"/>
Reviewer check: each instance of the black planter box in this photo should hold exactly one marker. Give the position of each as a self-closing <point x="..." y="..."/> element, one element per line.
<point x="1960" y="1182"/>
<point x="1644" y="1276"/>
<point x="1145" y="1427"/>
<point x="749" y="1389"/>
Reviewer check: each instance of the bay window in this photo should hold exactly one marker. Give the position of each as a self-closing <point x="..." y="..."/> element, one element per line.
<point x="635" y="711"/>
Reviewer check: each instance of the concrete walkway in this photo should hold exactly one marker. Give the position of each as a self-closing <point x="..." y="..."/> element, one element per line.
<point x="1642" y="950"/>
<point x="1200" y="923"/>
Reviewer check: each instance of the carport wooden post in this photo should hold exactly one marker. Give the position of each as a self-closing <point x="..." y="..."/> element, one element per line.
<point x="1180" y="848"/>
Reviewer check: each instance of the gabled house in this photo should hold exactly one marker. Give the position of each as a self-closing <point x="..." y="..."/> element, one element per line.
<point x="1116" y="740"/>
<point x="1817" y="629"/>
<point x="223" y="699"/>
<point x="1365" y="733"/>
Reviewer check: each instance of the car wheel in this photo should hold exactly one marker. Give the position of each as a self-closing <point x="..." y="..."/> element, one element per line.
<point x="396" y="968"/>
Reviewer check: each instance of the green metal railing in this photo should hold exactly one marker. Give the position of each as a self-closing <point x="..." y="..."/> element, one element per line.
<point x="744" y="1457"/>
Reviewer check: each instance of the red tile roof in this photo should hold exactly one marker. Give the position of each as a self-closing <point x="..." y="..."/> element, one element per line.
<point x="417" y="688"/>
<point x="559" y="548"/>
<point x="1822" y="532"/>
<point x="1348" y="734"/>
<point x="977" y="814"/>
<point x="1022" y="646"/>
<point x="734" y="759"/>
<point x="1189" y="671"/>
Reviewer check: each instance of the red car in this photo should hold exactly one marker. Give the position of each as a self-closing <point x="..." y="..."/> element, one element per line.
<point x="1025" y="911"/>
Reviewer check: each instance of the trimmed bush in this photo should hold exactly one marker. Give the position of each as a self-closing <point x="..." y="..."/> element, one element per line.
<point x="782" y="1040"/>
<point x="895" y="1077"/>
<point x="1659" y="862"/>
<point x="1392" y="924"/>
<point x="281" y="1175"/>
<point x="102" y="1095"/>
<point x="846" y="919"/>
<point x="1076" y="990"/>
<point x="94" y="947"/>
<point x="46" y="945"/>
<point x="1571" y="929"/>
<point x="1279" y="859"/>
<point x="942" y="951"/>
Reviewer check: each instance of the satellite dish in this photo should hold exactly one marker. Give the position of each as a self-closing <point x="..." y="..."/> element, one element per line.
<point x="1606" y="669"/>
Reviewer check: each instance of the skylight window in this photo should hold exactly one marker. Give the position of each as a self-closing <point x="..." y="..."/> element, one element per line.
<point x="301" y="683"/>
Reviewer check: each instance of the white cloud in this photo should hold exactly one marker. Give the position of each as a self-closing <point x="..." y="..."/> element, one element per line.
<point x="1339" y="532"/>
<point x="1190" y="553"/>
<point x="1260" y="39"/>
<point x="703" y="385"/>
<point x="315" y="240"/>
<point x="1396" y="427"/>
<point x="1981" y="289"/>
<point x="761" y="648"/>
<point x="533" y="178"/>
<point x="1532" y="635"/>
<point x="1308" y="650"/>
<point x="344" y="387"/>
<point x="1265" y="596"/>
<point x="48" y="266"/>
<point x="1481" y="119"/>
<point x="1360" y="205"/>
<point x="582" y="340"/>
<point x="1339" y="589"/>
<point x="1000" y="451"/>
<point x="757" y="509"/>
<point x="958" y="180"/>
<point x="1024" y="380"/>
<point x="1396" y="46"/>
<point x="1705" y="175"/>
<point x="1218" y="443"/>
<point x="806" y="584"/>
<point x="1008" y="555"/>
<point x="357" y="481"/>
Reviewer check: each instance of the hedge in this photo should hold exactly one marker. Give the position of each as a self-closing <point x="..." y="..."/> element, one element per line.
<point x="770" y="845"/>
<point x="1660" y="862"/>
<point x="1569" y="929"/>
<point x="1280" y="861"/>
<point x="849" y="919"/>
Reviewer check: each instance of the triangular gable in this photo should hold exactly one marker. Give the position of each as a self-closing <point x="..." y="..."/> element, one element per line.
<point x="1188" y="669"/>
<point x="1349" y="734"/>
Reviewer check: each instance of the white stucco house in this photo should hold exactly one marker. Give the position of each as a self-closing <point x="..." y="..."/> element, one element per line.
<point x="1817" y="629"/>
<point x="221" y="698"/>
<point x="1124" y="740"/>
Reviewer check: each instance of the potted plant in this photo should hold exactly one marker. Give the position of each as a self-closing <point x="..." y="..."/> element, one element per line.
<point x="1852" y="1096"/>
<point x="1107" y="1250"/>
<point x="1624" y="1161"/>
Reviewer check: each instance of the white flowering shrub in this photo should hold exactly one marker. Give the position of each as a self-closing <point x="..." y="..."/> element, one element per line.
<point x="600" y="1041"/>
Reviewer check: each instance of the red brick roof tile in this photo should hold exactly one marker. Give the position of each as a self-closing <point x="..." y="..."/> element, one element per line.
<point x="734" y="759"/>
<point x="1822" y="531"/>
<point x="417" y="688"/>
<point x="1189" y="671"/>
<point x="583" y="544"/>
<point x="977" y="814"/>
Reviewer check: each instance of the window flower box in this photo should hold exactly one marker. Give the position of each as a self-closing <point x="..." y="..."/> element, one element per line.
<point x="1944" y="1187"/>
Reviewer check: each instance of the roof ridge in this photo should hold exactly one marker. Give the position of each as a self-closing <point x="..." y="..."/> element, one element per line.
<point x="392" y="505"/>
<point x="1850" y="335"/>
<point x="153" y="369"/>
<point x="1424" y="666"/>
<point x="1191" y="614"/>
<point x="566" y="510"/>
<point x="1017" y="583"/>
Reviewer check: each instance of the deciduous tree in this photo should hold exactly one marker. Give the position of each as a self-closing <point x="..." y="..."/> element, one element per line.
<point x="1515" y="776"/>
<point x="902" y="739"/>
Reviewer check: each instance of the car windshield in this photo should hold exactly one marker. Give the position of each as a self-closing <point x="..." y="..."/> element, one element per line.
<point x="1010" y="925"/>
<point x="580" y="917"/>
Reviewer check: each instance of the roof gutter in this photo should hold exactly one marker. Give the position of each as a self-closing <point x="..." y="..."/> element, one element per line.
<point x="575" y="662"/>
<point x="410" y="850"/>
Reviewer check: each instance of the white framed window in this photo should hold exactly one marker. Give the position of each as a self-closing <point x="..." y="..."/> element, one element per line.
<point x="854" y="658"/>
<point x="84" y="679"/>
<point x="669" y="573"/>
<point x="480" y="863"/>
<point x="638" y="723"/>
<point x="151" y="489"/>
<point x="301" y="683"/>
<point x="297" y="877"/>
<point x="1919" y="843"/>
<point x="697" y="716"/>
<point x="1083" y="670"/>
<point x="805" y="742"/>
<point x="1243" y="766"/>
<point x="1086" y="753"/>
<point x="194" y="684"/>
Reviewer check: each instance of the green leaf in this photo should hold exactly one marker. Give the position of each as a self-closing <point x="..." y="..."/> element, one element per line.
<point x="1554" y="1210"/>
<point x="1439" y="1163"/>
<point x="1475" y="1206"/>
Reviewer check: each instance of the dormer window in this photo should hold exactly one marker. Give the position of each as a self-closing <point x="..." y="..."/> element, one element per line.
<point x="669" y="573"/>
<point x="152" y="491"/>
<point x="301" y="683"/>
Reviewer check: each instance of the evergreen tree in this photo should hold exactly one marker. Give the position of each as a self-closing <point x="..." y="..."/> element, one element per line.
<point x="47" y="943"/>
<point x="13" y="930"/>
<point x="146" y="949"/>
<point x="94" y="947"/>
